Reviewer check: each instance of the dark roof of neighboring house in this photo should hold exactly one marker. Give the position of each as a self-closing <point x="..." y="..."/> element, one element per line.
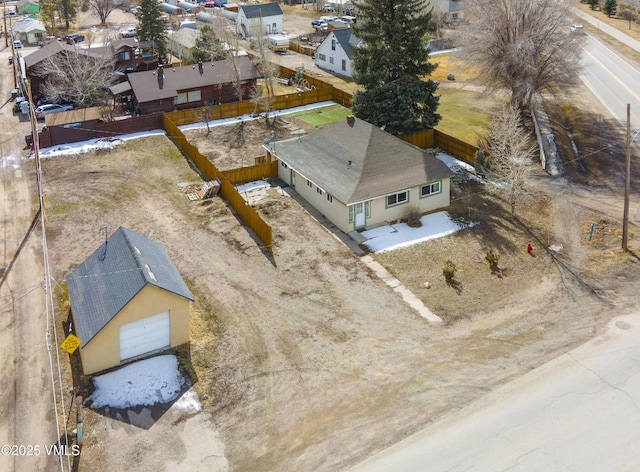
<point x="104" y="283"/>
<point x="359" y="162"/>
<point x="347" y="40"/>
<point x="147" y="87"/>
<point x="264" y="10"/>
<point x="54" y="47"/>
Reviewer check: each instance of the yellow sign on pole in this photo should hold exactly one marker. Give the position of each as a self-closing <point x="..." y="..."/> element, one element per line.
<point x="71" y="343"/>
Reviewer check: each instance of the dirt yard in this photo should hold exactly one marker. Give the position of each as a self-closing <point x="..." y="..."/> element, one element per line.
<point x="303" y="360"/>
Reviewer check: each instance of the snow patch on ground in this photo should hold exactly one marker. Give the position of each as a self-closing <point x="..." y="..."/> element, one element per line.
<point x="83" y="147"/>
<point x="391" y="237"/>
<point x="146" y="382"/>
<point x="189" y="402"/>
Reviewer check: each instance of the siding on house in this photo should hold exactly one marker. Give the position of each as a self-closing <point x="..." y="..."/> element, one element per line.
<point x="103" y="352"/>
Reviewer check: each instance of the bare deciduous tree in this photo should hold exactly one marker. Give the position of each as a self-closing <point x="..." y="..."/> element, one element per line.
<point x="525" y="46"/>
<point x="511" y="151"/>
<point x="102" y="8"/>
<point x="81" y="77"/>
<point x="269" y="72"/>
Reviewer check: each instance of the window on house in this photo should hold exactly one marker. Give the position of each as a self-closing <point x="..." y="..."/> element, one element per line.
<point x="319" y="190"/>
<point x="188" y="97"/>
<point x="309" y="183"/>
<point x="398" y="198"/>
<point x="344" y="64"/>
<point x="351" y="213"/>
<point x="330" y="198"/>
<point x="284" y="164"/>
<point x="323" y="57"/>
<point x="430" y="189"/>
<point x="125" y="55"/>
<point x="333" y="44"/>
<point x="331" y="60"/>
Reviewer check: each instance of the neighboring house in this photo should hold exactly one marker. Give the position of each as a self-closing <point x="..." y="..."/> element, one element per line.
<point x="34" y="60"/>
<point x="167" y="89"/>
<point x="127" y="301"/>
<point x="182" y="43"/>
<point x="261" y="19"/>
<point x="29" y="30"/>
<point x="359" y="176"/>
<point x="128" y="55"/>
<point x="132" y="56"/>
<point x="29" y="9"/>
<point x="335" y="52"/>
<point x="451" y="9"/>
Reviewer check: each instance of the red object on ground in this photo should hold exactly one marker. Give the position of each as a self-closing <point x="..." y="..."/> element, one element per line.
<point x="529" y="248"/>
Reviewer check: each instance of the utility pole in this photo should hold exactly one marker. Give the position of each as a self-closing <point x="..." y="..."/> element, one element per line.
<point x="6" y="31"/>
<point x="627" y="182"/>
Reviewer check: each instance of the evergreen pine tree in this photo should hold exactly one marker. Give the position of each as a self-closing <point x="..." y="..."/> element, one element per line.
<point x="392" y="65"/>
<point x="593" y="4"/>
<point x="610" y="7"/>
<point x="208" y="45"/>
<point x="151" y="27"/>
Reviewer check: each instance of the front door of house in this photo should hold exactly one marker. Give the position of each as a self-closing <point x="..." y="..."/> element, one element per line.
<point x="292" y="178"/>
<point x="359" y="215"/>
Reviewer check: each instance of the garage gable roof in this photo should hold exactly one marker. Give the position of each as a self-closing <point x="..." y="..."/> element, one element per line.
<point x="354" y="161"/>
<point x="104" y="283"/>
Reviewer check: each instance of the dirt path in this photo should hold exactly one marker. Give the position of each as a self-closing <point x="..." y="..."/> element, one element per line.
<point x="26" y="405"/>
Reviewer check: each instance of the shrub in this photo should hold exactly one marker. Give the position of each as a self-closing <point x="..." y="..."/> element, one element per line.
<point x="449" y="271"/>
<point x="492" y="258"/>
<point x="413" y="218"/>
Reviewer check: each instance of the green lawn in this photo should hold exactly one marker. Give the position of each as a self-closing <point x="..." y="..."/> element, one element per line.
<point x="465" y="114"/>
<point x="323" y="116"/>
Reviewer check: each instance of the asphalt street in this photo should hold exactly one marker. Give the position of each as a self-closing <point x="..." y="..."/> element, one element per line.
<point x="579" y="412"/>
<point x="613" y="80"/>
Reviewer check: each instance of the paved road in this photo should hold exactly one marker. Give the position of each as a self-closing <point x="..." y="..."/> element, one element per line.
<point x="612" y="80"/>
<point x="579" y="412"/>
<point x="610" y="30"/>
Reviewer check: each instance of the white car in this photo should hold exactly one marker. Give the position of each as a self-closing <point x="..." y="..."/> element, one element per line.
<point x="43" y="110"/>
<point x="577" y="28"/>
<point x="128" y="33"/>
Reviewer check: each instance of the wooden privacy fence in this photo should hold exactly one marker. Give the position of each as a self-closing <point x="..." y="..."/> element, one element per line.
<point x="432" y="138"/>
<point x="227" y="190"/>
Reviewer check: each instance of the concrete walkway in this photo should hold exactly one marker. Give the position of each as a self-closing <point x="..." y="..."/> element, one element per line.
<point x="610" y="30"/>
<point x="408" y="296"/>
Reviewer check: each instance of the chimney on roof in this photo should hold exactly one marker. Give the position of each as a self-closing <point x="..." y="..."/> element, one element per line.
<point x="160" y="76"/>
<point x="351" y="120"/>
<point x="200" y="67"/>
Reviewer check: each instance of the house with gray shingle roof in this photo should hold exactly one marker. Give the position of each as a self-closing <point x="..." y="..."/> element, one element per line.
<point x="334" y="54"/>
<point x="196" y="85"/>
<point x="360" y="176"/>
<point x="257" y="20"/>
<point x="128" y="300"/>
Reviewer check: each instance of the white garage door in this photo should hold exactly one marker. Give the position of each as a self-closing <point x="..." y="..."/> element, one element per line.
<point x="146" y="335"/>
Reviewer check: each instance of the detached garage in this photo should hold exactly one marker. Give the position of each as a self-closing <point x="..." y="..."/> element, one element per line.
<point x="127" y="301"/>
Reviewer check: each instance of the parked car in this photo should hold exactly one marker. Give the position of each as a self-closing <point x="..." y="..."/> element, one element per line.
<point x="128" y="33"/>
<point x="74" y="38"/>
<point x="43" y="110"/>
<point x="318" y="23"/>
<point x="209" y="4"/>
<point x="17" y="44"/>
